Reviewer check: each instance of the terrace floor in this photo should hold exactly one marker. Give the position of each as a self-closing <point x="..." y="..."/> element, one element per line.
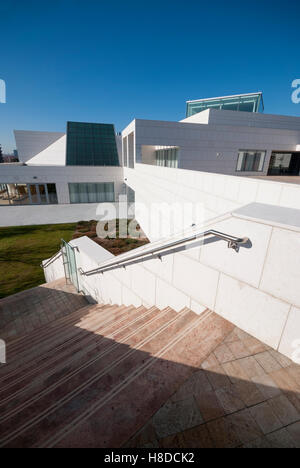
<point x="245" y="395"/>
<point x="285" y="179"/>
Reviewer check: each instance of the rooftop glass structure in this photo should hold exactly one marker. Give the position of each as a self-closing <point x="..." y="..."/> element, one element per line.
<point x="251" y="102"/>
<point x="91" y="144"/>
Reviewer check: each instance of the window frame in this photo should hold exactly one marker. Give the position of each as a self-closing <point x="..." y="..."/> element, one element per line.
<point x="245" y="151"/>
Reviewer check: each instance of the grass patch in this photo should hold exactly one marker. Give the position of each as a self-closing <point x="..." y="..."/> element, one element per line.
<point x="22" y="250"/>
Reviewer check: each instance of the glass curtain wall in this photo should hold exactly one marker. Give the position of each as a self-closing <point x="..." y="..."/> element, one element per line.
<point x="92" y="193"/>
<point x="90" y="144"/>
<point x="244" y="103"/>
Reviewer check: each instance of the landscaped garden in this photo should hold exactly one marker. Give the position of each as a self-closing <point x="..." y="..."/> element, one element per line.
<point x="23" y="248"/>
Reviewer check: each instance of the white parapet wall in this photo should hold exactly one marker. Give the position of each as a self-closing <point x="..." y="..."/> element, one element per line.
<point x="257" y="288"/>
<point x="55" y="268"/>
<point x="27" y="215"/>
<point x="216" y="193"/>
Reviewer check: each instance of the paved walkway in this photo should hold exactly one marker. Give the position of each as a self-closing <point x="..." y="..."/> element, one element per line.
<point x="244" y="395"/>
<point x="24" y="312"/>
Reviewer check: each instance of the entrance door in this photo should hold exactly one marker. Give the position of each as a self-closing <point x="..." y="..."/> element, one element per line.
<point x="69" y="261"/>
<point x="284" y="164"/>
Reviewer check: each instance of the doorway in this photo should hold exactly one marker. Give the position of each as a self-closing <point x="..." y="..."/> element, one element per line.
<point x="284" y="164"/>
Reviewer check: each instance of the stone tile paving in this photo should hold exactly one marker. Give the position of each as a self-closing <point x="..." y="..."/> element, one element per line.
<point x="31" y="309"/>
<point x="245" y="395"/>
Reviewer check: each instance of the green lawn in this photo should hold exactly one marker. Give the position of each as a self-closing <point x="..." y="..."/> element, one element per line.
<point x="22" y="249"/>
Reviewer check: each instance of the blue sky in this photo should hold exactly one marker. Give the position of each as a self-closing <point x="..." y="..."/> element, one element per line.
<point x="99" y="61"/>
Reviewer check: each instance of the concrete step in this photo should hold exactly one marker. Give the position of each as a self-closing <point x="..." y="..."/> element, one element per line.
<point x="95" y="374"/>
<point x="50" y="366"/>
<point x="54" y="336"/>
<point x="94" y="380"/>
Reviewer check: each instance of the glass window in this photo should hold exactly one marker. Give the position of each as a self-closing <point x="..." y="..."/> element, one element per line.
<point x="27" y="194"/>
<point x="167" y="157"/>
<point x="52" y="195"/>
<point x="251" y="161"/>
<point x="92" y="192"/>
<point x="241" y="102"/>
<point x="4" y="197"/>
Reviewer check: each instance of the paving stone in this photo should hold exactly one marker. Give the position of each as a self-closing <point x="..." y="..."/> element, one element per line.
<point x="209" y="405"/>
<point x="197" y="437"/>
<point x="267" y="386"/>
<point x="251" y="367"/>
<point x="229" y="399"/>
<point x="281" y="439"/>
<point x="294" y="431"/>
<point x="238" y="349"/>
<point x="234" y="371"/>
<point x="245" y="426"/>
<point x="176" y="417"/>
<point x="262" y="442"/>
<point x="223" y="433"/>
<point x="255" y="346"/>
<point x="249" y="393"/>
<point x="285" y="380"/>
<point x="210" y="362"/>
<point x="285" y="411"/>
<point x="223" y="354"/>
<point x="194" y="385"/>
<point x="146" y="435"/>
<point x="217" y="377"/>
<point x="267" y="362"/>
<point x="232" y="337"/>
<point x="284" y="361"/>
<point x="265" y="418"/>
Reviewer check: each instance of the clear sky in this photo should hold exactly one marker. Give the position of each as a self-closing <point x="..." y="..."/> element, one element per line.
<point x="112" y="61"/>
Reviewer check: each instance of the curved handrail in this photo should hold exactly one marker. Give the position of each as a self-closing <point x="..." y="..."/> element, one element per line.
<point x="233" y="243"/>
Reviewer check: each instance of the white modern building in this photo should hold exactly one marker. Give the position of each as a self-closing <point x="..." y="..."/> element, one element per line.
<point x="207" y="313"/>
<point x="228" y="135"/>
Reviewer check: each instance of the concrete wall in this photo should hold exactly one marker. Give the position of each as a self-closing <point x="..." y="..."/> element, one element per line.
<point x="217" y="194"/>
<point x="214" y="147"/>
<point x="55" y="269"/>
<point x="257" y="288"/>
<point x="28" y="215"/>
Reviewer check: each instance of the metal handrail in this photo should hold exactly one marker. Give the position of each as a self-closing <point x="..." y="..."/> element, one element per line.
<point x="54" y="257"/>
<point x="233" y="243"/>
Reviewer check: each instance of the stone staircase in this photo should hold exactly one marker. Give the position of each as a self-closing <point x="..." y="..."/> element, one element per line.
<point x="94" y="375"/>
<point x="82" y="375"/>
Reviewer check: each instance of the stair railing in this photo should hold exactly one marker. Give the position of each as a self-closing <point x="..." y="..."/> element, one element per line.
<point x="52" y="259"/>
<point x="232" y="242"/>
